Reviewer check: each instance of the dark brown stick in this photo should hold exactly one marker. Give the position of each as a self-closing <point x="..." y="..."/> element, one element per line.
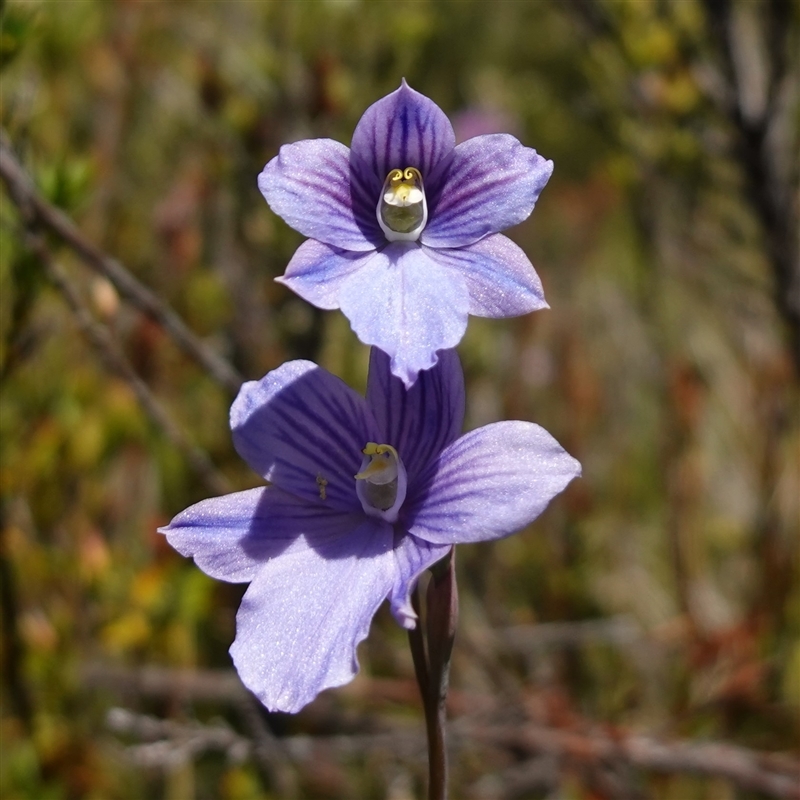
<point x="440" y="623"/>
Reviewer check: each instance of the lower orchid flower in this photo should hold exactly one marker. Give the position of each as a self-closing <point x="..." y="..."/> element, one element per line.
<point x="365" y="494"/>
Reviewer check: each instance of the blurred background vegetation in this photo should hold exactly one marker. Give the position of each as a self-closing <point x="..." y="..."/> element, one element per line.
<point x="657" y="601"/>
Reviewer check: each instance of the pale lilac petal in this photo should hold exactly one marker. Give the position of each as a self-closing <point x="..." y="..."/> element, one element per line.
<point x="308" y="184"/>
<point x="305" y="613"/>
<point x="488" y="184"/>
<point x="421" y="421"/>
<point x="407" y="305"/>
<point x="490" y="483"/>
<point x="317" y="272"/>
<point x="500" y="278"/>
<point x="403" y="129"/>
<point x="231" y="537"/>
<point x="412" y="557"/>
<point x="303" y="429"/>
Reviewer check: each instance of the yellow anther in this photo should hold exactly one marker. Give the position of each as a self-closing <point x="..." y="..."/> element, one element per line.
<point x="402" y="210"/>
<point x="403" y="187"/>
<point x="382" y="467"/>
<point x="381" y="483"/>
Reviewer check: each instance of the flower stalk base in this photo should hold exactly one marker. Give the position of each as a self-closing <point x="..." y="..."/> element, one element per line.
<point x="432" y="665"/>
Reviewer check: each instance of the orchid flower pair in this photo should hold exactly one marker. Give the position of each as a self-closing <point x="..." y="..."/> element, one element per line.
<point x="365" y="494"/>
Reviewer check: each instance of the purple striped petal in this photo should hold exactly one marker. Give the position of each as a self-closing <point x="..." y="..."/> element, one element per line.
<point x="412" y="557"/>
<point x="317" y="272"/>
<point x="308" y="184"/>
<point x="303" y="429"/>
<point x="408" y="306"/>
<point x="231" y="537"/>
<point x="500" y="278"/>
<point x="306" y="612"/>
<point x="421" y="421"/>
<point x="490" y="483"/>
<point x="403" y="129"/>
<point x="365" y="189"/>
<point x="488" y="184"/>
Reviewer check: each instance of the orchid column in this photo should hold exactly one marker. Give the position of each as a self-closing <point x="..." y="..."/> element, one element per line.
<point x="366" y="494"/>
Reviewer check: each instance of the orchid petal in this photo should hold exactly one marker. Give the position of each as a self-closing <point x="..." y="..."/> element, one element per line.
<point x="489" y="183"/>
<point x="421" y="421"/>
<point x="303" y="429"/>
<point x="499" y="276"/>
<point x="231" y="537"/>
<point x="308" y="185"/>
<point x="490" y="483"/>
<point x="305" y="613"/>
<point x="412" y="557"/>
<point x="403" y="129"/>
<point x="317" y="272"/>
<point x="407" y="305"/>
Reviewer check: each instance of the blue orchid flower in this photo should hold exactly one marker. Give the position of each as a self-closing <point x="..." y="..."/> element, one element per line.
<point x="365" y="494"/>
<point x="404" y="227"/>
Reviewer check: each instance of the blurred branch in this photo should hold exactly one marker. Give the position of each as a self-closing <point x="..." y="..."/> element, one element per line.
<point x="268" y="750"/>
<point x="774" y="775"/>
<point x="223" y="686"/>
<point x="35" y="208"/>
<point x="219" y="686"/>
<point x="619" y="630"/>
<point x="754" y="112"/>
<point x="116" y="361"/>
<point x="755" y="89"/>
<point x="12" y="654"/>
<point x="169" y="743"/>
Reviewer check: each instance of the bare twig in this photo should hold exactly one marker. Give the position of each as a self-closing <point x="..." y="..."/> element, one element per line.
<point x="98" y="335"/>
<point x="218" y="686"/>
<point x="36" y="209"/>
<point x="771" y="774"/>
<point x="269" y="753"/>
<point x="169" y="743"/>
<point x="620" y="630"/>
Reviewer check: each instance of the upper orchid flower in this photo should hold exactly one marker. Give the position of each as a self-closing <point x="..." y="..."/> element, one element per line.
<point x="365" y="494"/>
<point x="403" y="227"/>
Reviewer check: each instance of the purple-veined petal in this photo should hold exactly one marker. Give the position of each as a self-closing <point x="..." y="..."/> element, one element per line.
<point x="303" y="429"/>
<point x="489" y="183"/>
<point x="407" y="305"/>
<point x="317" y="272"/>
<point x="303" y="616"/>
<point x="421" y="421"/>
<point x="365" y="190"/>
<point x="308" y="185"/>
<point x="230" y="537"/>
<point x="499" y="276"/>
<point x="490" y="483"/>
<point x="403" y="129"/>
<point x="412" y="556"/>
